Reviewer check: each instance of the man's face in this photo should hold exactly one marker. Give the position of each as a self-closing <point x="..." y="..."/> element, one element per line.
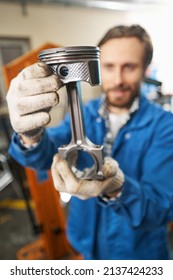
<point x="122" y="70"/>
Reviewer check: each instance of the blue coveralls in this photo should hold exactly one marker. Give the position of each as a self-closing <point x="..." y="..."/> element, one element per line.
<point x="134" y="226"/>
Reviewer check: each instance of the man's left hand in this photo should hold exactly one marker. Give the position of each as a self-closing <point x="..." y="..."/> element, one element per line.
<point x="66" y="181"/>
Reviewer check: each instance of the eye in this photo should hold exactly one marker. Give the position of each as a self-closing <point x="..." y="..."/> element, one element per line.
<point x="129" y="67"/>
<point x="108" y="67"/>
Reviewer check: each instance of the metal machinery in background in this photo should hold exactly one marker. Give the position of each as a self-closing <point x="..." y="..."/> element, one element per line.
<point x="49" y="220"/>
<point x="165" y="100"/>
<point x="6" y="176"/>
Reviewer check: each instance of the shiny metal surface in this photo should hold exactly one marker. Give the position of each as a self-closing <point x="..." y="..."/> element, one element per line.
<point x="74" y="64"/>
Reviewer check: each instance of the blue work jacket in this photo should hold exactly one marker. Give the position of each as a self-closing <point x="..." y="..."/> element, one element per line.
<point x="135" y="225"/>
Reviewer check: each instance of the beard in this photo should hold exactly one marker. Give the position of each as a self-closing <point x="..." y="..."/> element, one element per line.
<point x="121" y="96"/>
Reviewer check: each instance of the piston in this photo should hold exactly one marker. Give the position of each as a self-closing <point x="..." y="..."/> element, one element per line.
<point x="72" y="65"/>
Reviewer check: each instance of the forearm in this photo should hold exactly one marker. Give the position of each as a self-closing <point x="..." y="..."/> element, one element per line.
<point x="37" y="157"/>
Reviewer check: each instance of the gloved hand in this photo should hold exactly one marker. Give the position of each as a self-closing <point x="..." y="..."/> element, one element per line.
<point x="66" y="181"/>
<point x="31" y="96"/>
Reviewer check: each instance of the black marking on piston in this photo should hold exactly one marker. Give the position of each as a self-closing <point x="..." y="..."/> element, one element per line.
<point x="63" y="71"/>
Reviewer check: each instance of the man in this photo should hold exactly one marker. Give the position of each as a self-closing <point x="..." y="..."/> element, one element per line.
<point x="125" y="215"/>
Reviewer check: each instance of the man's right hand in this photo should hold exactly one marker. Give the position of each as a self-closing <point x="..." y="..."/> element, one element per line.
<point x="31" y="96"/>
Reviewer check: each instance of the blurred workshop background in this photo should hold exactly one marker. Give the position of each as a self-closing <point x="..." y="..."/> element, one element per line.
<point x="32" y="221"/>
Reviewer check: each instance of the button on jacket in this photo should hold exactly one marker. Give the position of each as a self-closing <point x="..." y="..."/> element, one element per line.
<point x="134" y="226"/>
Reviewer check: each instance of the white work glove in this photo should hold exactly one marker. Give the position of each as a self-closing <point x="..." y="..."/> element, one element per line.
<point x="66" y="181"/>
<point x="31" y="96"/>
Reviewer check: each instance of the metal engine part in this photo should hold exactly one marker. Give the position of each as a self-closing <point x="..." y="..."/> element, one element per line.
<point x="72" y="65"/>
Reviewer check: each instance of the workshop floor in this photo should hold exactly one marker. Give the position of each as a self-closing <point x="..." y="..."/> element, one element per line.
<point x="15" y="225"/>
<point x="16" y="229"/>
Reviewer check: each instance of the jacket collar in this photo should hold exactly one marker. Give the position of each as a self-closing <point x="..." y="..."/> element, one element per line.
<point x="143" y="115"/>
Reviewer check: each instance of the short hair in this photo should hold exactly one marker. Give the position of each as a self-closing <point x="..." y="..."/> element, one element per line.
<point x="134" y="30"/>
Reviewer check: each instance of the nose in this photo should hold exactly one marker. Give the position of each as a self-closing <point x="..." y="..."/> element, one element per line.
<point x="117" y="76"/>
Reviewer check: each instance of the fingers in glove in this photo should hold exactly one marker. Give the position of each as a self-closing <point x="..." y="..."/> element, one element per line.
<point x="57" y="179"/>
<point x="62" y="172"/>
<point x="87" y="188"/>
<point x="36" y="70"/>
<point x="110" y="167"/>
<point x="68" y="177"/>
<point x="36" y="103"/>
<point x="75" y="186"/>
<point x="30" y="122"/>
<point x="36" y="86"/>
<point x="58" y="182"/>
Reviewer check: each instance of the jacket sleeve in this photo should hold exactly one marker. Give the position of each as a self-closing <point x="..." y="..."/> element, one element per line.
<point x="148" y="202"/>
<point x="40" y="157"/>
